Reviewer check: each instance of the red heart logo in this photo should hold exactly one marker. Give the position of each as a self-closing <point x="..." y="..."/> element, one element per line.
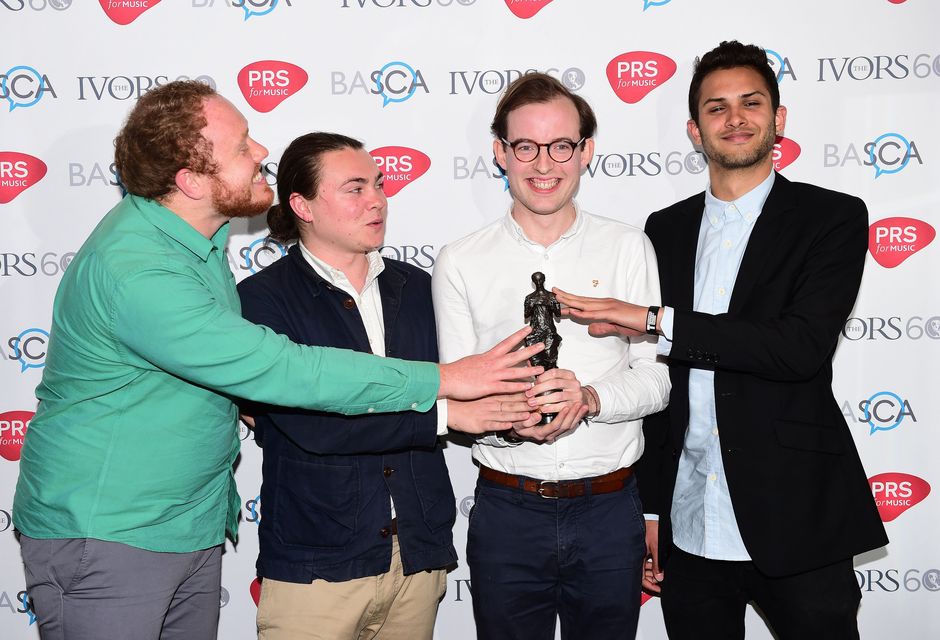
<point x="893" y="240"/>
<point x="644" y="597"/>
<point x="401" y="166"/>
<point x="124" y="12"/>
<point x="634" y="74"/>
<point x="267" y="83"/>
<point x="18" y="172"/>
<point x="895" y="493"/>
<point x="785" y="152"/>
<point x="255" y="590"/>
<point x="13" y="426"/>
<point x="526" y="8"/>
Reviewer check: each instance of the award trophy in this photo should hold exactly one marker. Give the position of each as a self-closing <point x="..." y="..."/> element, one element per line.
<point x="540" y="310"/>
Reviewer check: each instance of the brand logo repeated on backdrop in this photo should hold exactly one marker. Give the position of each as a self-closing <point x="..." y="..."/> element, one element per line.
<point x="258" y="255"/>
<point x="892" y="328"/>
<point x="35" y="5"/>
<point x="895" y="493"/>
<point x="255" y="590"/>
<point x="6" y="520"/>
<point x="29" y="348"/>
<point x="879" y="67"/>
<point x="525" y="9"/>
<point x="23" y="86"/>
<point x="891" y="580"/>
<point x="19" y="603"/>
<point x="653" y="163"/>
<point x="124" y="12"/>
<point x="632" y="75"/>
<point x="883" y="411"/>
<point x="253" y="509"/>
<point x="18" y="172"/>
<point x="401" y="4"/>
<point x="395" y="81"/>
<point x="494" y="81"/>
<point x="13" y="426"/>
<point x="888" y="153"/>
<point x="401" y="166"/>
<point x="891" y="241"/>
<point x="29" y="264"/>
<point x="127" y="87"/>
<point x="654" y="3"/>
<point x="785" y="152"/>
<point x="267" y="83"/>
<point x="780" y="64"/>
<point x="100" y="174"/>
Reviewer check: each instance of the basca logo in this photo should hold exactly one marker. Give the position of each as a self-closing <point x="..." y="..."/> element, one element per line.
<point x="525" y="9"/>
<point x="900" y="67"/>
<point x="401" y="4"/>
<point x="883" y="411"/>
<point x="654" y="3"/>
<point x="6" y="520"/>
<point x="654" y="163"/>
<point x="401" y="166"/>
<point x="888" y="153"/>
<point x="124" y="12"/>
<point x="893" y="328"/>
<point x="13" y="426"/>
<point x="36" y="5"/>
<point x="634" y="74"/>
<point x="253" y="510"/>
<point x="18" y="604"/>
<point x="18" y="172"/>
<point x="127" y="87"/>
<point x="468" y="168"/>
<point x="258" y="7"/>
<point x="30" y="264"/>
<point x="419" y="255"/>
<point x="224" y="597"/>
<point x="95" y="174"/>
<point x="891" y="241"/>
<point x="465" y="505"/>
<point x="895" y="493"/>
<point x="24" y="86"/>
<point x="255" y="590"/>
<point x="395" y="82"/>
<point x="785" y="152"/>
<point x="29" y="348"/>
<point x="259" y="254"/>
<point x="780" y="64"/>
<point x="892" y="580"/>
<point x="494" y="81"/>
<point x="267" y="83"/>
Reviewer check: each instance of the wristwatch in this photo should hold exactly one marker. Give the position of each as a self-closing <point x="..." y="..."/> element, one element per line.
<point x="651" y="314"/>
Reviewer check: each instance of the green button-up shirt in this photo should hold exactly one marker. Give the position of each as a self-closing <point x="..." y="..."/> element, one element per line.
<point x="136" y="433"/>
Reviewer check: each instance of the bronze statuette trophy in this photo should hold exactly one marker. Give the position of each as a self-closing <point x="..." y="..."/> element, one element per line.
<point x="540" y="310"/>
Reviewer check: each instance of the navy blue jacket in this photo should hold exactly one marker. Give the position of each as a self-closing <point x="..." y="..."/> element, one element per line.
<point x="327" y="478"/>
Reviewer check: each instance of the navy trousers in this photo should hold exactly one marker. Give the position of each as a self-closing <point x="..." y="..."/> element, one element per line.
<point x="532" y="559"/>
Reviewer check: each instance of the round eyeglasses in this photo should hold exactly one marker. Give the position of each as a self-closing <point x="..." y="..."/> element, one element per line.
<point x="559" y="150"/>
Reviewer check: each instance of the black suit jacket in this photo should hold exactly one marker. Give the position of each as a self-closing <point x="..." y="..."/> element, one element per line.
<point x="800" y="495"/>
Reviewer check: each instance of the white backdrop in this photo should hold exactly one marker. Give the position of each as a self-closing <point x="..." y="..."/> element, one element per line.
<point x="861" y="79"/>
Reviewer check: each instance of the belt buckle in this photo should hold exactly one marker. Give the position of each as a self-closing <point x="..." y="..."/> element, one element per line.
<point x="541" y="489"/>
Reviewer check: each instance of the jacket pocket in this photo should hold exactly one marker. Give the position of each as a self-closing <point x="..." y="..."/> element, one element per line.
<point x="317" y="504"/>
<point x="810" y="436"/>
<point x="432" y="484"/>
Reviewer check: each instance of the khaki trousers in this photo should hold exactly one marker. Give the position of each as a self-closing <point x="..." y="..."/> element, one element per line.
<point x="390" y="606"/>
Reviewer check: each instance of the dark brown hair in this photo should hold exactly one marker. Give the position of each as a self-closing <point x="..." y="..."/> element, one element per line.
<point x="298" y="171"/>
<point x="533" y="88"/>
<point x="163" y="134"/>
<point x="728" y="55"/>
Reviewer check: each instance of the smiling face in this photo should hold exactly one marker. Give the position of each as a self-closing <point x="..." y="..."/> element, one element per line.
<point x="238" y="188"/>
<point x="737" y="125"/>
<point x="346" y="218"/>
<point x="543" y="187"/>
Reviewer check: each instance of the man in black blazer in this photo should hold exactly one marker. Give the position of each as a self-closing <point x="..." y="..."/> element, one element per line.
<point x="752" y="471"/>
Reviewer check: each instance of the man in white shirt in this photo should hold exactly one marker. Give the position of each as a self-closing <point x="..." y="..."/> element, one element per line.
<point x="557" y="526"/>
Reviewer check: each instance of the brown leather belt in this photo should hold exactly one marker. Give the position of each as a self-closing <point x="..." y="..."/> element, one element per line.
<point x="607" y="483"/>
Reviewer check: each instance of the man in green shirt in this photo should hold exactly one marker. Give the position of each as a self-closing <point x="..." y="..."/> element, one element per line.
<point x="126" y="490"/>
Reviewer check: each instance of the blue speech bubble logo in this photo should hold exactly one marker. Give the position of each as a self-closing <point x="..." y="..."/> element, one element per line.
<point x="28" y="608"/>
<point x="380" y="84"/>
<point x="4" y="84"/>
<point x="875" y="145"/>
<point x="654" y="3"/>
<point x="254" y="510"/>
<point x="776" y="62"/>
<point x="871" y="418"/>
<point x="252" y="12"/>
<point x="251" y="253"/>
<point x="19" y="347"/>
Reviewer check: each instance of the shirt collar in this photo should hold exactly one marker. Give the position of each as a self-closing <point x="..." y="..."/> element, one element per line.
<point x="748" y="207"/>
<point x="336" y="277"/>
<point x="516" y="231"/>
<point x="178" y="229"/>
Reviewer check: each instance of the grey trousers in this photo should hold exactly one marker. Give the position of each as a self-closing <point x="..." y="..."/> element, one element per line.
<point x="87" y="589"/>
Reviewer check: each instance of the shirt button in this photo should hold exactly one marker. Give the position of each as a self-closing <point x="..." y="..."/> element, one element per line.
<point x="545" y="256"/>
<point x="370" y="410"/>
<point x="414" y="405"/>
<point x="348" y="303"/>
<point x="561" y="465"/>
<point x="387" y="471"/>
<point x="715" y="431"/>
<point x="727" y="244"/>
<point x="385" y="532"/>
<point x="712" y="477"/>
<point x="721" y="291"/>
<point x="714" y="220"/>
<point x="749" y="217"/>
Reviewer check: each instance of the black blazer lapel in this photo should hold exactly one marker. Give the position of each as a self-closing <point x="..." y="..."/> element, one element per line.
<point x="391" y="284"/>
<point x="686" y="249"/>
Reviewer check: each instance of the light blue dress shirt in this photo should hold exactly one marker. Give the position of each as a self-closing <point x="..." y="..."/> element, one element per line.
<point x="703" y="519"/>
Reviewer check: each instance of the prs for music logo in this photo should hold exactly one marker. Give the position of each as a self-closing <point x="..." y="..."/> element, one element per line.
<point x="124" y="12"/>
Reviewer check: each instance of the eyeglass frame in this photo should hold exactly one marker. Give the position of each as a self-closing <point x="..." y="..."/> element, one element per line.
<point x="548" y="148"/>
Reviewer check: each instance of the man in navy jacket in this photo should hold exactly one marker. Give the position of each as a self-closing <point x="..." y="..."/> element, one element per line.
<point x="355" y="533"/>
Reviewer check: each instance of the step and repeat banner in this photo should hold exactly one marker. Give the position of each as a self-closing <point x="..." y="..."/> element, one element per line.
<point x="417" y="81"/>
